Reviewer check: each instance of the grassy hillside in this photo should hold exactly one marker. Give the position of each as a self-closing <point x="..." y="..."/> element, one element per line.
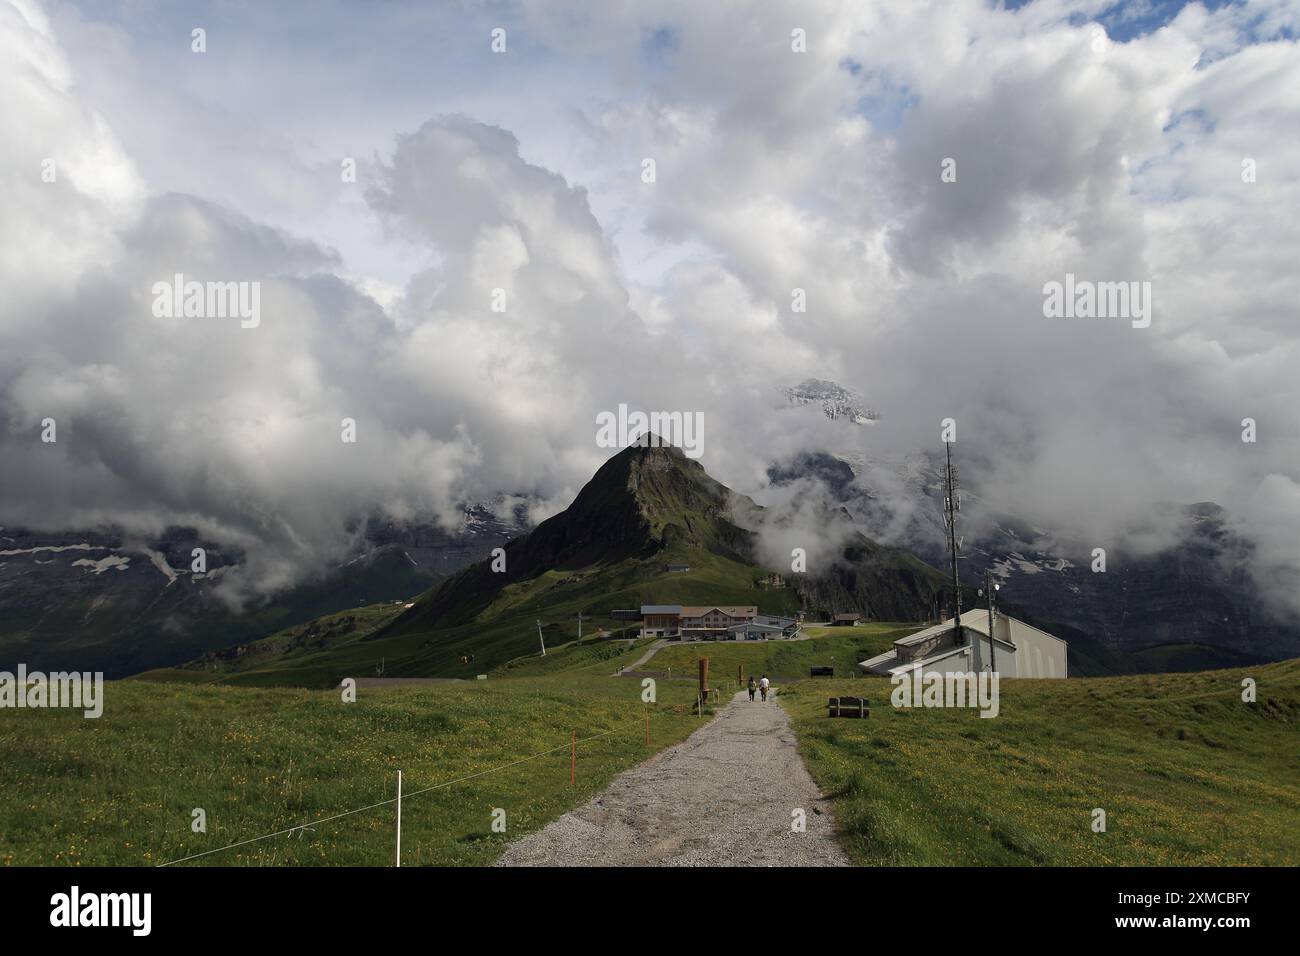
<point x="121" y="629"/>
<point x="506" y="628"/>
<point x="646" y="507"/>
<point x="839" y="647"/>
<point x="1186" y="772"/>
<point x="120" y="790"/>
<point x="284" y="648"/>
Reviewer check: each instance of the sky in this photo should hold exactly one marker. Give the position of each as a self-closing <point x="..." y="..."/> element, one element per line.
<point x="1106" y="141"/>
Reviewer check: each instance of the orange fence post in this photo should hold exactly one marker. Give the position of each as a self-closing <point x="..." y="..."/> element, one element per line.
<point x="573" y="760"/>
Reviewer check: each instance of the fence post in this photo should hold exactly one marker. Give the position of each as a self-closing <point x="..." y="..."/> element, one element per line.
<point x="398" y="861"/>
<point x="573" y="760"/>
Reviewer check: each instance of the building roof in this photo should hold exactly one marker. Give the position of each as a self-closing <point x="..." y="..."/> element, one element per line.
<point x="851" y="616"/>
<point x="756" y="626"/>
<point x="661" y="609"/>
<point x="731" y="610"/>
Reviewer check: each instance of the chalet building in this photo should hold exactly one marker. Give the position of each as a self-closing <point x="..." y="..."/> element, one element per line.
<point x="846" y="620"/>
<point x="1016" y="650"/>
<point x="771" y="581"/>
<point x="675" y="621"/>
<point x="677" y="568"/>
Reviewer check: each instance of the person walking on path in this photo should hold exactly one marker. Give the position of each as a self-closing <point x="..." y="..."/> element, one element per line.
<point x="763" y="685"/>
<point x="752" y="687"/>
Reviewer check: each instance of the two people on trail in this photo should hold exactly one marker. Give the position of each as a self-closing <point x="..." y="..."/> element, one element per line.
<point x="752" y="687"/>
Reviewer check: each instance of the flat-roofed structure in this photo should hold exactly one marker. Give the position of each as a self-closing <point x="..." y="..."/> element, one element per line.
<point x="756" y="630"/>
<point x="1016" y="650"/>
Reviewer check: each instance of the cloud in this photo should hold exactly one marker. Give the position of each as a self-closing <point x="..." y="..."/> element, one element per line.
<point x="776" y="170"/>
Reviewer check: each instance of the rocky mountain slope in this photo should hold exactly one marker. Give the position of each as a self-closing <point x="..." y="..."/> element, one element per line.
<point x="99" y="600"/>
<point x="1188" y="606"/>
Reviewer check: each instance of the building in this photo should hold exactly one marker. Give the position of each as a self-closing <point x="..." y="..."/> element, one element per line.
<point x="677" y="568"/>
<point x="661" y="620"/>
<point x="764" y="628"/>
<point x="753" y="631"/>
<point x="675" y="621"/>
<point x="1018" y="649"/>
<point x="846" y="620"/>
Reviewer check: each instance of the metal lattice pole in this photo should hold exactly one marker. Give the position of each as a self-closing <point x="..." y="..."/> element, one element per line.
<point x="951" y="507"/>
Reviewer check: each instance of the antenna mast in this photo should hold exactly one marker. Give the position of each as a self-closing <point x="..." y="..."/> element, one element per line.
<point x="952" y="505"/>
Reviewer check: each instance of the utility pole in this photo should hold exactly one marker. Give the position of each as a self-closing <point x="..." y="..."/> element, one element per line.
<point x="990" y="588"/>
<point x="950" y="508"/>
<point x="540" y="638"/>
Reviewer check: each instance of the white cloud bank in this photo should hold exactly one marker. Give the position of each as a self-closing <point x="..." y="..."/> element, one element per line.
<point x="775" y="171"/>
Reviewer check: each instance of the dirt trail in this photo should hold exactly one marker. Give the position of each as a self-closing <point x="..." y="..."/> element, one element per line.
<point x="722" y="797"/>
<point x="651" y="651"/>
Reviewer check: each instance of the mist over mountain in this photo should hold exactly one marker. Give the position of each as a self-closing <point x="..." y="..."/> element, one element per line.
<point x="105" y="600"/>
<point x="1177" y="592"/>
<point x="650" y="505"/>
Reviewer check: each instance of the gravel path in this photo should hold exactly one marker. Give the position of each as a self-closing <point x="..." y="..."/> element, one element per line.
<point x="651" y="651"/>
<point x="722" y="797"/>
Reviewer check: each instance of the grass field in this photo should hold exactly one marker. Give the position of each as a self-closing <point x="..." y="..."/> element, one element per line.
<point x="839" y="647"/>
<point x="596" y="656"/>
<point x="1187" y="773"/>
<point x="120" y="790"/>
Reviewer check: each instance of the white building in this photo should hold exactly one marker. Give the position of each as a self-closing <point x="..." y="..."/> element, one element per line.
<point x="1018" y="649"/>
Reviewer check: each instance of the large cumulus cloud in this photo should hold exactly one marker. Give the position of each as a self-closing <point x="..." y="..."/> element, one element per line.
<point x="1075" y="153"/>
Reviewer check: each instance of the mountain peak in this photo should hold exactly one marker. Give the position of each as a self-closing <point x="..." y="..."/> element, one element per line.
<point x="836" y="401"/>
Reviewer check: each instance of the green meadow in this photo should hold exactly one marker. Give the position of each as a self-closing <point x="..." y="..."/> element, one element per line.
<point x="121" y="790"/>
<point x="838" y="647"/>
<point x="1187" y="773"/>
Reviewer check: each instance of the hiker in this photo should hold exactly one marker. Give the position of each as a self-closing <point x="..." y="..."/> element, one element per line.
<point x="763" y="685"/>
<point x="752" y="687"/>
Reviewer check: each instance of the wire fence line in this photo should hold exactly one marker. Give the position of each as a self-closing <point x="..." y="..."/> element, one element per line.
<point x="415" y="793"/>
